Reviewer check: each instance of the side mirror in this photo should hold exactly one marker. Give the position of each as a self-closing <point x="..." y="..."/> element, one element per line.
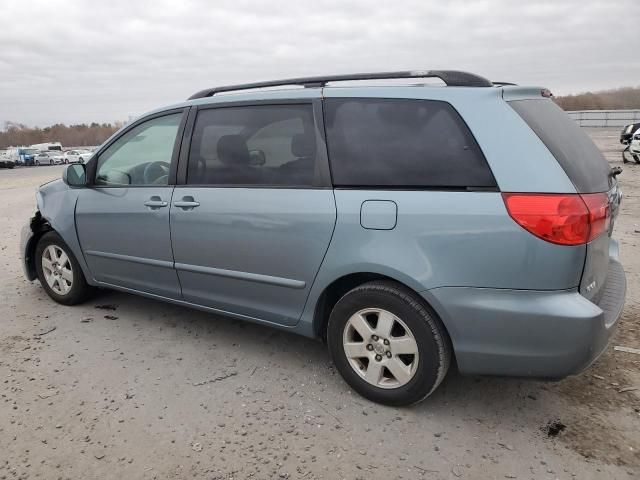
<point x="75" y="175"/>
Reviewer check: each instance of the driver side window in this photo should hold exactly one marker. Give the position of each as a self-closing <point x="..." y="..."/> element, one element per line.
<point x="142" y="156"/>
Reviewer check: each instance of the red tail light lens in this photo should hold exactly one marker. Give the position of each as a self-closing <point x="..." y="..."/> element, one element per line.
<point x="565" y="219"/>
<point x="599" y="213"/>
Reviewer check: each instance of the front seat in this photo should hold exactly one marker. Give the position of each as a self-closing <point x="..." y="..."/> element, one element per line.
<point x="236" y="167"/>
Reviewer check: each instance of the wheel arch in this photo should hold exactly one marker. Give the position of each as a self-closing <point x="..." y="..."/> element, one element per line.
<point x="39" y="226"/>
<point x="337" y="288"/>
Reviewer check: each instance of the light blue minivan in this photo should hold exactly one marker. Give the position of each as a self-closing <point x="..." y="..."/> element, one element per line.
<point x="408" y="226"/>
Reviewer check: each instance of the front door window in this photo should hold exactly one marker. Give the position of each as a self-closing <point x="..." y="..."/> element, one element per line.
<point x="141" y="156"/>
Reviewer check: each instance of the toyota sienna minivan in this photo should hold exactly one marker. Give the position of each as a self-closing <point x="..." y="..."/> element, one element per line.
<point x="410" y="226"/>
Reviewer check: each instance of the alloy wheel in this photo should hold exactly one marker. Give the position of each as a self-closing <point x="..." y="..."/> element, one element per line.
<point x="57" y="269"/>
<point x="380" y="348"/>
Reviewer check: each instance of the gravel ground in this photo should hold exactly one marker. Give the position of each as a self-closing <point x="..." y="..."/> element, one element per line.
<point x="126" y="387"/>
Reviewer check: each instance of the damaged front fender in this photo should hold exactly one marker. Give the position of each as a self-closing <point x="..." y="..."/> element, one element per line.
<point x="56" y="211"/>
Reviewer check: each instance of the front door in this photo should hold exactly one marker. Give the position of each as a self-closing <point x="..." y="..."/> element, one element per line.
<point x="122" y="218"/>
<point x="255" y="215"/>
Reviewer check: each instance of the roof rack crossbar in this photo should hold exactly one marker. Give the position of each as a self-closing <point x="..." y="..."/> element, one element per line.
<point x="451" y="78"/>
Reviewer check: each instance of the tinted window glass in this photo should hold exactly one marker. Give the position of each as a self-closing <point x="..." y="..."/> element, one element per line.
<point x="402" y="143"/>
<point x="584" y="164"/>
<point x="254" y="145"/>
<point x="142" y="156"/>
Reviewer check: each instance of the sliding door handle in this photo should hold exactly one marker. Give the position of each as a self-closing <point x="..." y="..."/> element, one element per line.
<point x="155" y="202"/>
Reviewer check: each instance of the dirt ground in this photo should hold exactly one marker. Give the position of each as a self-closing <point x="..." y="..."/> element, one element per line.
<point x="129" y="388"/>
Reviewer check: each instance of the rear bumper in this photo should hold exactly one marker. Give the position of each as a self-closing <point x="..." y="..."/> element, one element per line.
<point x="544" y="334"/>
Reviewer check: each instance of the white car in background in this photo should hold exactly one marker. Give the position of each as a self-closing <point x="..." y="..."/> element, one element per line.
<point x="49" y="157"/>
<point x="634" y="146"/>
<point x="77" y="156"/>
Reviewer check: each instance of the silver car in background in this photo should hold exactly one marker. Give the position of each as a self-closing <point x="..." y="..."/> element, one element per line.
<point x="49" y="157"/>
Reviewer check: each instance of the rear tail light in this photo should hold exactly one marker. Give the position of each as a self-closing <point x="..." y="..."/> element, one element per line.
<point x="565" y="219"/>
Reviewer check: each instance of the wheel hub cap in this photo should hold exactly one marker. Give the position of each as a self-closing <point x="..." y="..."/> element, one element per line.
<point x="381" y="348"/>
<point x="57" y="269"/>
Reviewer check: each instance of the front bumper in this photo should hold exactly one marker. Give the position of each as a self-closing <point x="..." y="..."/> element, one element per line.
<point x="524" y="333"/>
<point x="26" y="237"/>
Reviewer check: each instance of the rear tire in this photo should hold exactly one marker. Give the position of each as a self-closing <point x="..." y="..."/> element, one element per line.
<point x="387" y="344"/>
<point x="59" y="272"/>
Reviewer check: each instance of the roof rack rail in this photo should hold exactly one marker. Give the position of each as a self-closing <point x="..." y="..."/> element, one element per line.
<point x="452" y="78"/>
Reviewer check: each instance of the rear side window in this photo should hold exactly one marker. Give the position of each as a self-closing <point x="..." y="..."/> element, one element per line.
<point x="265" y="145"/>
<point x="583" y="163"/>
<point x="402" y="143"/>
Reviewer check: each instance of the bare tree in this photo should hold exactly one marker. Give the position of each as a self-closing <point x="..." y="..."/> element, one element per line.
<point x="616" y="99"/>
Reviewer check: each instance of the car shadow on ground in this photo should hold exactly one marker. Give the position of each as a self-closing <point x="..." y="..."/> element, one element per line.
<point x="475" y="394"/>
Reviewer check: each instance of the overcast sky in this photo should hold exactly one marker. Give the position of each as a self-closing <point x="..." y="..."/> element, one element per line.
<point x="79" y="61"/>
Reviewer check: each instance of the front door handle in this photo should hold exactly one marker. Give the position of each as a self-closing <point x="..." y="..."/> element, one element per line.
<point x="155" y="202"/>
<point x="187" y="203"/>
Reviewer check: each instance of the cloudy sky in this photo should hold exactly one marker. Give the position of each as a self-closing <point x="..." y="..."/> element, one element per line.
<point x="78" y="61"/>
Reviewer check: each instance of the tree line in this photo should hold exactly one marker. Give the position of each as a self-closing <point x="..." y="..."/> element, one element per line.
<point x="16" y="134"/>
<point x="615" y="99"/>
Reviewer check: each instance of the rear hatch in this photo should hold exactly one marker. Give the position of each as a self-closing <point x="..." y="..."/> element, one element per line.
<point x="587" y="169"/>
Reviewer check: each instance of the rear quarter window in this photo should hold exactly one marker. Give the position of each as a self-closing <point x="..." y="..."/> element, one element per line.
<point x="377" y="142"/>
<point x="578" y="156"/>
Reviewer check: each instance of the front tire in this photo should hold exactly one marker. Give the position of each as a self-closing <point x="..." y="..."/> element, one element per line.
<point x="387" y="345"/>
<point x="59" y="272"/>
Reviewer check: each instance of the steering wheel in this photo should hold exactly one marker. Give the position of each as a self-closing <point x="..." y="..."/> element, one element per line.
<point x="156" y="173"/>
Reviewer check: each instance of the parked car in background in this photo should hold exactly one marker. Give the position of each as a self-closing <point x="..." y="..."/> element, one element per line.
<point x="49" y="158"/>
<point x="21" y="155"/>
<point x="627" y="133"/>
<point x="77" y="156"/>
<point x="394" y="222"/>
<point x="634" y="146"/>
<point x="5" y="160"/>
<point x="626" y="138"/>
<point x="27" y="156"/>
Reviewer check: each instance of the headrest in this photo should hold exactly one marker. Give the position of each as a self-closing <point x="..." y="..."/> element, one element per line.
<point x="303" y="145"/>
<point x="232" y="150"/>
